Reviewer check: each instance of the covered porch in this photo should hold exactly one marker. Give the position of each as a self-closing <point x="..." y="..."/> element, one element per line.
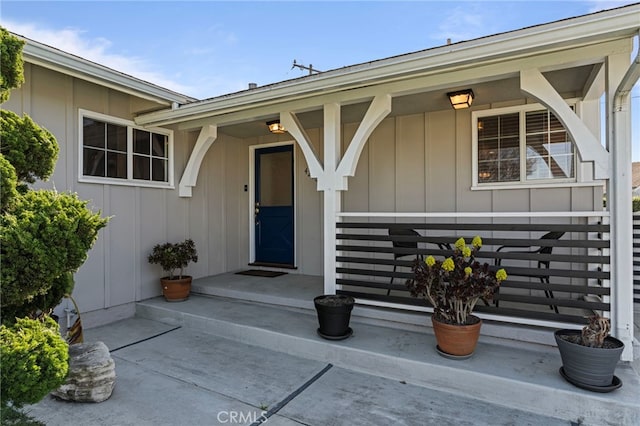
<point x="546" y="289"/>
<point x="276" y="314"/>
<point x="382" y="148"/>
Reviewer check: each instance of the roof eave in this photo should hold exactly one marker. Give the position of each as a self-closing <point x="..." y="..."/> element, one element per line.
<point x="597" y="27"/>
<point x="48" y="57"/>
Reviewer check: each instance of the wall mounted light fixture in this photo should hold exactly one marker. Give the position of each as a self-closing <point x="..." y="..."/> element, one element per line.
<point x="275" y="126"/>
<point x="461" y="98"/>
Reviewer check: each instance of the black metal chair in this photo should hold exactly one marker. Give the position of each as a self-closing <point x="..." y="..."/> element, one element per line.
<point x="412" y="245"/>
<point x="542" y="249"/>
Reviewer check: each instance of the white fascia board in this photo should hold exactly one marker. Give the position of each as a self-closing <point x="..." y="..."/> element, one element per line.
<point x="75" y="66"/>
<point x="595" y="28"/>
<point x="426" y="81"/>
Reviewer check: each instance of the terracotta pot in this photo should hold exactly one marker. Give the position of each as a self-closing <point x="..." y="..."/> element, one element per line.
<point x="457" y="340"/>
<point x="177" y="289"/>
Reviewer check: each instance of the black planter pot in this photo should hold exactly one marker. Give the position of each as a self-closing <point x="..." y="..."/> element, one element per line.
<point x="334" y="314"/>
<point x="589" y="368"/>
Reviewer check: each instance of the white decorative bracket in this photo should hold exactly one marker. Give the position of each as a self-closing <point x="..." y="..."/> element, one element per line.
<point x="207" y="136"/>
<point x="380" y="107"/>
<point x="290" y="122"/>
<point x="337" y="179"/>
<point x="535" y="84"/>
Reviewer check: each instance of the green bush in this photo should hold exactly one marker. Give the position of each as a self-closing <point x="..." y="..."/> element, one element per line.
<point x="8" y="182"/>
<point x="12" y="416"/>
<point x="44" y="238"/>
<point x="34" y="358"/>
<point x="11" y="63"/>
<point x="31" y="149"/>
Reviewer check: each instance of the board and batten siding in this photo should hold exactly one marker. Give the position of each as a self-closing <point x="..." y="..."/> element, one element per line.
<point x="423" y="163"/>
<point x="116" y="272"/>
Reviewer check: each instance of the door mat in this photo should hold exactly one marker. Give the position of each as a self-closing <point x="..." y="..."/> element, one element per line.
<point x="260" y="273"/>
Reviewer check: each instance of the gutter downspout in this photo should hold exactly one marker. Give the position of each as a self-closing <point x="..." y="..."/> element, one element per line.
<point x="619" y="201"/>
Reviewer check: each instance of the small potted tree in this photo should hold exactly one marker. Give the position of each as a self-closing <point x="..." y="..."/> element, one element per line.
<point x="453" y="286"/>
<point x="589" y="357"/>
<point x="172" y="257"/>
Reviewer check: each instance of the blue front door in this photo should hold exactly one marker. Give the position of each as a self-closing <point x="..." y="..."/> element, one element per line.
<point x="274" y="237"/>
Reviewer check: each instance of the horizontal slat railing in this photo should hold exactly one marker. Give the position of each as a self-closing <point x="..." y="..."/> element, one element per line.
<point x="569" y="283"/>
<point x="636" y="257"/>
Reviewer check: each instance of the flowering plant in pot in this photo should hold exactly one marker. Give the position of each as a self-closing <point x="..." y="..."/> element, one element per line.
<point x="172" y="257"/>
<point x="453" y="287"/>
<point x="589" y="356"/>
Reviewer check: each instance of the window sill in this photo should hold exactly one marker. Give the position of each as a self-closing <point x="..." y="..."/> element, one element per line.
<point x="116" y="182"/>
<point x="490" y="187"/>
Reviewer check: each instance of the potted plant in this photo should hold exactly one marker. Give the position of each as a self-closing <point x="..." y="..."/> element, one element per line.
<point x="453" y="287"/>
<point x="589" y="356"/>
<point x="334" y="314"/>
<point x="172" y="257"/>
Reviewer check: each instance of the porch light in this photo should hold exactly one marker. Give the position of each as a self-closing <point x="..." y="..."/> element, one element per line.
<point x="275" y="126"/>
<point x="461" y="99"/>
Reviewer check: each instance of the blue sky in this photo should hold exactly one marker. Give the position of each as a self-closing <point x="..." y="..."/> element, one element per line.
<point x="209" y="48"/>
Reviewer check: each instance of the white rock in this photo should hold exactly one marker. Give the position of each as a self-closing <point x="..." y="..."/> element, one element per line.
<point x="92" y="374"/>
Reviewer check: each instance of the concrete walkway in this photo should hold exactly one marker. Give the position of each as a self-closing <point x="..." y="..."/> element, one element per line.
<point x="174" y="375"/>
<point x="226" y="360"/>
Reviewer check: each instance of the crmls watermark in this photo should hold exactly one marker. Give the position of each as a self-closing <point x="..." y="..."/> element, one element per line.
<point x="241" y="417"/>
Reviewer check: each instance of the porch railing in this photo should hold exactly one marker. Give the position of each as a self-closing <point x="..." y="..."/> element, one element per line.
<point x="636" y="258"/>
<point x="562" y="284"/>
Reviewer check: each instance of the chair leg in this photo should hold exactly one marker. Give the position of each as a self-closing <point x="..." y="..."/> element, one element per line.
<point x="395" y="267"/>
<point x="555" y="307"/>
<point x="549" y="293"/>
<point x="391" y="283"/>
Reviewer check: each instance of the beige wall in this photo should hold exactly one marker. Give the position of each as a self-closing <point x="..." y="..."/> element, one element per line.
<point x="116" y="272"/>
<point x="422" y="163"/>
<point x="412" y="163"/>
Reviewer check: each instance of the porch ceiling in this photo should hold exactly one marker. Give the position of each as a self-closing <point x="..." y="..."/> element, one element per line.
<point x="568" y="82"/>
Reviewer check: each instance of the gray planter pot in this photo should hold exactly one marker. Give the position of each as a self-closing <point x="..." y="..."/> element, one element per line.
<point x="589" y="368"/>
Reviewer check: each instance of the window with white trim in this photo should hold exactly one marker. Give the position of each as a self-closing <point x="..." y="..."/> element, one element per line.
<point x="116" y="151"/>
<point x="525" y="144"/>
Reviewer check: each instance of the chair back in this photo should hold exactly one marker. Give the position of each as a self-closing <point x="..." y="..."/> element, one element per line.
<point x="555" y="235"/>
<point x="403" y="232"/>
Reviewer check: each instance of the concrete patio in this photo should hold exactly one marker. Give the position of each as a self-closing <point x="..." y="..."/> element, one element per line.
<point x="242" y="351"/>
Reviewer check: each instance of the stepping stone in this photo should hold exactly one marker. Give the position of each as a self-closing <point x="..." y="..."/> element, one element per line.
<point x="92" y="374"/>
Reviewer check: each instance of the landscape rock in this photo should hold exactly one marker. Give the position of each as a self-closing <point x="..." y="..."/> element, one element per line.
<point x="92" y="374"/>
